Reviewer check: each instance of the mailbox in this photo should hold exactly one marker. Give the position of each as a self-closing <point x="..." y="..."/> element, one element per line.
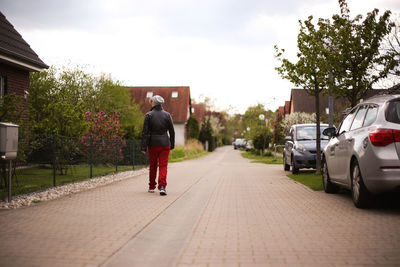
<point x="8" y="140"/>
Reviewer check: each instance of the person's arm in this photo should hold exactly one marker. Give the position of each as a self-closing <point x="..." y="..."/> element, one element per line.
<point x="171" y="133"/>
<point x="145" y="134"/>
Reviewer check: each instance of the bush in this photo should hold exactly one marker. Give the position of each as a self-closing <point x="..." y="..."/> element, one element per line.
<point x="192" y="149"/>
<point x="262" y="138"/>
<point x="192" y="128"/>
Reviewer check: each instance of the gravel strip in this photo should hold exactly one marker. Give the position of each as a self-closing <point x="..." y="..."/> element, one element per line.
<point x="67" y="189"/>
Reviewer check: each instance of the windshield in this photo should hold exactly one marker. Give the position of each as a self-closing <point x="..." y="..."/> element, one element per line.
<point x="309" y="133"/>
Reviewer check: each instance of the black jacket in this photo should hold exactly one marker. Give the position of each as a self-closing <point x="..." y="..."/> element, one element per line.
<point x="156" y="124"/>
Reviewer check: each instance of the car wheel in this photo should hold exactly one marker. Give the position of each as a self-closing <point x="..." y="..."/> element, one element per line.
<point x="361" y="197"/>
<point x="295" y="170"/>
<point x="286" y="166"/>
<point x="329" y="187"/>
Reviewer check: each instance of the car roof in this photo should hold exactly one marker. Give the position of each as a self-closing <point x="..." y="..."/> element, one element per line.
<point x="309" y="124"/>
<point x="380" y="99"/>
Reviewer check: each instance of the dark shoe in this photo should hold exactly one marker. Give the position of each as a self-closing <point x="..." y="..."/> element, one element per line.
<point x="162" y="191"/>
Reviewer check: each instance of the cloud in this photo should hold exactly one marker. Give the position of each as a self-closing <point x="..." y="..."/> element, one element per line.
<point x="220" y="48"/>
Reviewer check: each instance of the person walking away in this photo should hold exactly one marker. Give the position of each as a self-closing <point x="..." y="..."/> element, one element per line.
<point x="156" y="140"/>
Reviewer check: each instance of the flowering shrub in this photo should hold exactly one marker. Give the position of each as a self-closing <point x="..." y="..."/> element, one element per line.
<point x="103" y="136"/>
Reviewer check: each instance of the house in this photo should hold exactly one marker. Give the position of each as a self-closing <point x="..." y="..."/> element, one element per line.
<point x="287" y="108"/>
<point x="199" y="111"/>
<point x="177" y="103"/>
<point x="300" y="101"/>
<point x="17" y="59"/>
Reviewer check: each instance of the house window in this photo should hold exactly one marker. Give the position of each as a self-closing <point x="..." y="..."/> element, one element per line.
<point x="192" y="110"/>
<point x="149" y="94"/>
<point x="175" y="94"/>
<point x="2" y="86"/>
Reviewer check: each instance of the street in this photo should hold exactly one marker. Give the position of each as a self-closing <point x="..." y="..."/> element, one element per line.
<point x="221" y="210"/>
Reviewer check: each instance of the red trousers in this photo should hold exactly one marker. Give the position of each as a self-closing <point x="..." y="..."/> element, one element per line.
<point x="158" y="157"/>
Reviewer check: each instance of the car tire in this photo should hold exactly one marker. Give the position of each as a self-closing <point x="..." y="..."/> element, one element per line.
<point x="361" y="197"/>
<point x="286" y="166"/>
<point x="329" y="187"/>
<point x="295" y="170"/>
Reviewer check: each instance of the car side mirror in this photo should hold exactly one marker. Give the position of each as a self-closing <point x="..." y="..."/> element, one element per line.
<point x="288" y="138"/>
<point x="330" y="132"/>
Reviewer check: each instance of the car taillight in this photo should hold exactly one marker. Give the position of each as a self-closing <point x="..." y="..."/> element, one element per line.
<point x="384" y="137"/>
<point x="396" y="135"/>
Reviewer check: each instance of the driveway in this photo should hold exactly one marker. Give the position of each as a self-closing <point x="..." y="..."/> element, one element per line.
<point x="221" y="210"/>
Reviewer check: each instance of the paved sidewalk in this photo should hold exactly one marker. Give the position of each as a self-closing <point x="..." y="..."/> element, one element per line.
<point x="221" y="210"/>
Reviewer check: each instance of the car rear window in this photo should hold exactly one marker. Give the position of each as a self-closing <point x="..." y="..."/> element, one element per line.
<point x="392" y="112"/>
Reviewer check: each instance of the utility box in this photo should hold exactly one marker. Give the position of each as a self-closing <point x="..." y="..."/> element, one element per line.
<point x="8" y="140"/>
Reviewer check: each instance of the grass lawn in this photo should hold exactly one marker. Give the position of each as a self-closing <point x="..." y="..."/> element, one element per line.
<point x="193" y="149"/>
<point x="34" y="179"/>
<point x="180" y="155"/>
<point x="309" y="178"/>
<point x="263" y="159"/>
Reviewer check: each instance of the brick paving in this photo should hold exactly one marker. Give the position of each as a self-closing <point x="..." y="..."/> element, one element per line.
<point x="258" y="217"/>
<point x="254" y="216"/>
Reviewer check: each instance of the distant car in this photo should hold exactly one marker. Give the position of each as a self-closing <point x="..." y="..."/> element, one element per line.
<point x="239" y="143"/>
<point x="300" y="147"/>
<point x="249" y="145"/>
<point x="363" y="154"/>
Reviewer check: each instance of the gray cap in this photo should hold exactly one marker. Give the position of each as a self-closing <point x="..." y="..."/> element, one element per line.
<point x="157" y="100"/>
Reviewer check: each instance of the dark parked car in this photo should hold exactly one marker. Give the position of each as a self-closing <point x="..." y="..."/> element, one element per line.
<point x="300" y="147"/>
<point x="363" y="154"/>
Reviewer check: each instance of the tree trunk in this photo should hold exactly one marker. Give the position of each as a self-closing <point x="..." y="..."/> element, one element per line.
<point x="318" y="141"/>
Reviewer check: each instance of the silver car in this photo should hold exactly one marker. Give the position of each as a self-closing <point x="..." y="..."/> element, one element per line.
<point x="363" y="154"/>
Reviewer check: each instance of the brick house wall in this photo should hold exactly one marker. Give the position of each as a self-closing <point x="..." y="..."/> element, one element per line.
<point x="17" y="81"/>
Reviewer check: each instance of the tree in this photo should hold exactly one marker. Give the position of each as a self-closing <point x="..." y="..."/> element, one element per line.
<point x="261" y="138"/>
<point x="311" y="69"/>
<point x="103" y="137"/>
<point x="57" y="102"/>
<point x="112" y="97"/>
<point x="353" y="51"/>
<point x="296" y="118"/>
<point x="251" y="119"/>
<point x="391" y="45"/>
<point x="206" y="134"/>
<point x="192" y="128"/>
<point x="59" y="99"/>
<point x="11" y="109"/>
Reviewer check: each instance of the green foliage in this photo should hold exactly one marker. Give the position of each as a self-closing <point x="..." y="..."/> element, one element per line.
<point x="232" y="128"/>
<point x="192" y="149"/>
<point x="34" y="179"/>
<point x="11" y="109"/>
<point x="59" y="99"/>
<point x="311" y="69"/>
<point x="262" y="138"/>
<point x="310" y="179"/>
<point x="206" y="134"/>
<point x="353" y="51"/>
<point x="251" y="119"/>
<point x="192" y="128"/>
<point x="57" y="103"/>
<point x="266" y="158"/>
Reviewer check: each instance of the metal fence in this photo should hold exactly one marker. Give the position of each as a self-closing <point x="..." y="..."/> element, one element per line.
<point x="53" y="160"/>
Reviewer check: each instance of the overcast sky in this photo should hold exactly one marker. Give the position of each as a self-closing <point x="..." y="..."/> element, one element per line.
<point x="222" y="49"/>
